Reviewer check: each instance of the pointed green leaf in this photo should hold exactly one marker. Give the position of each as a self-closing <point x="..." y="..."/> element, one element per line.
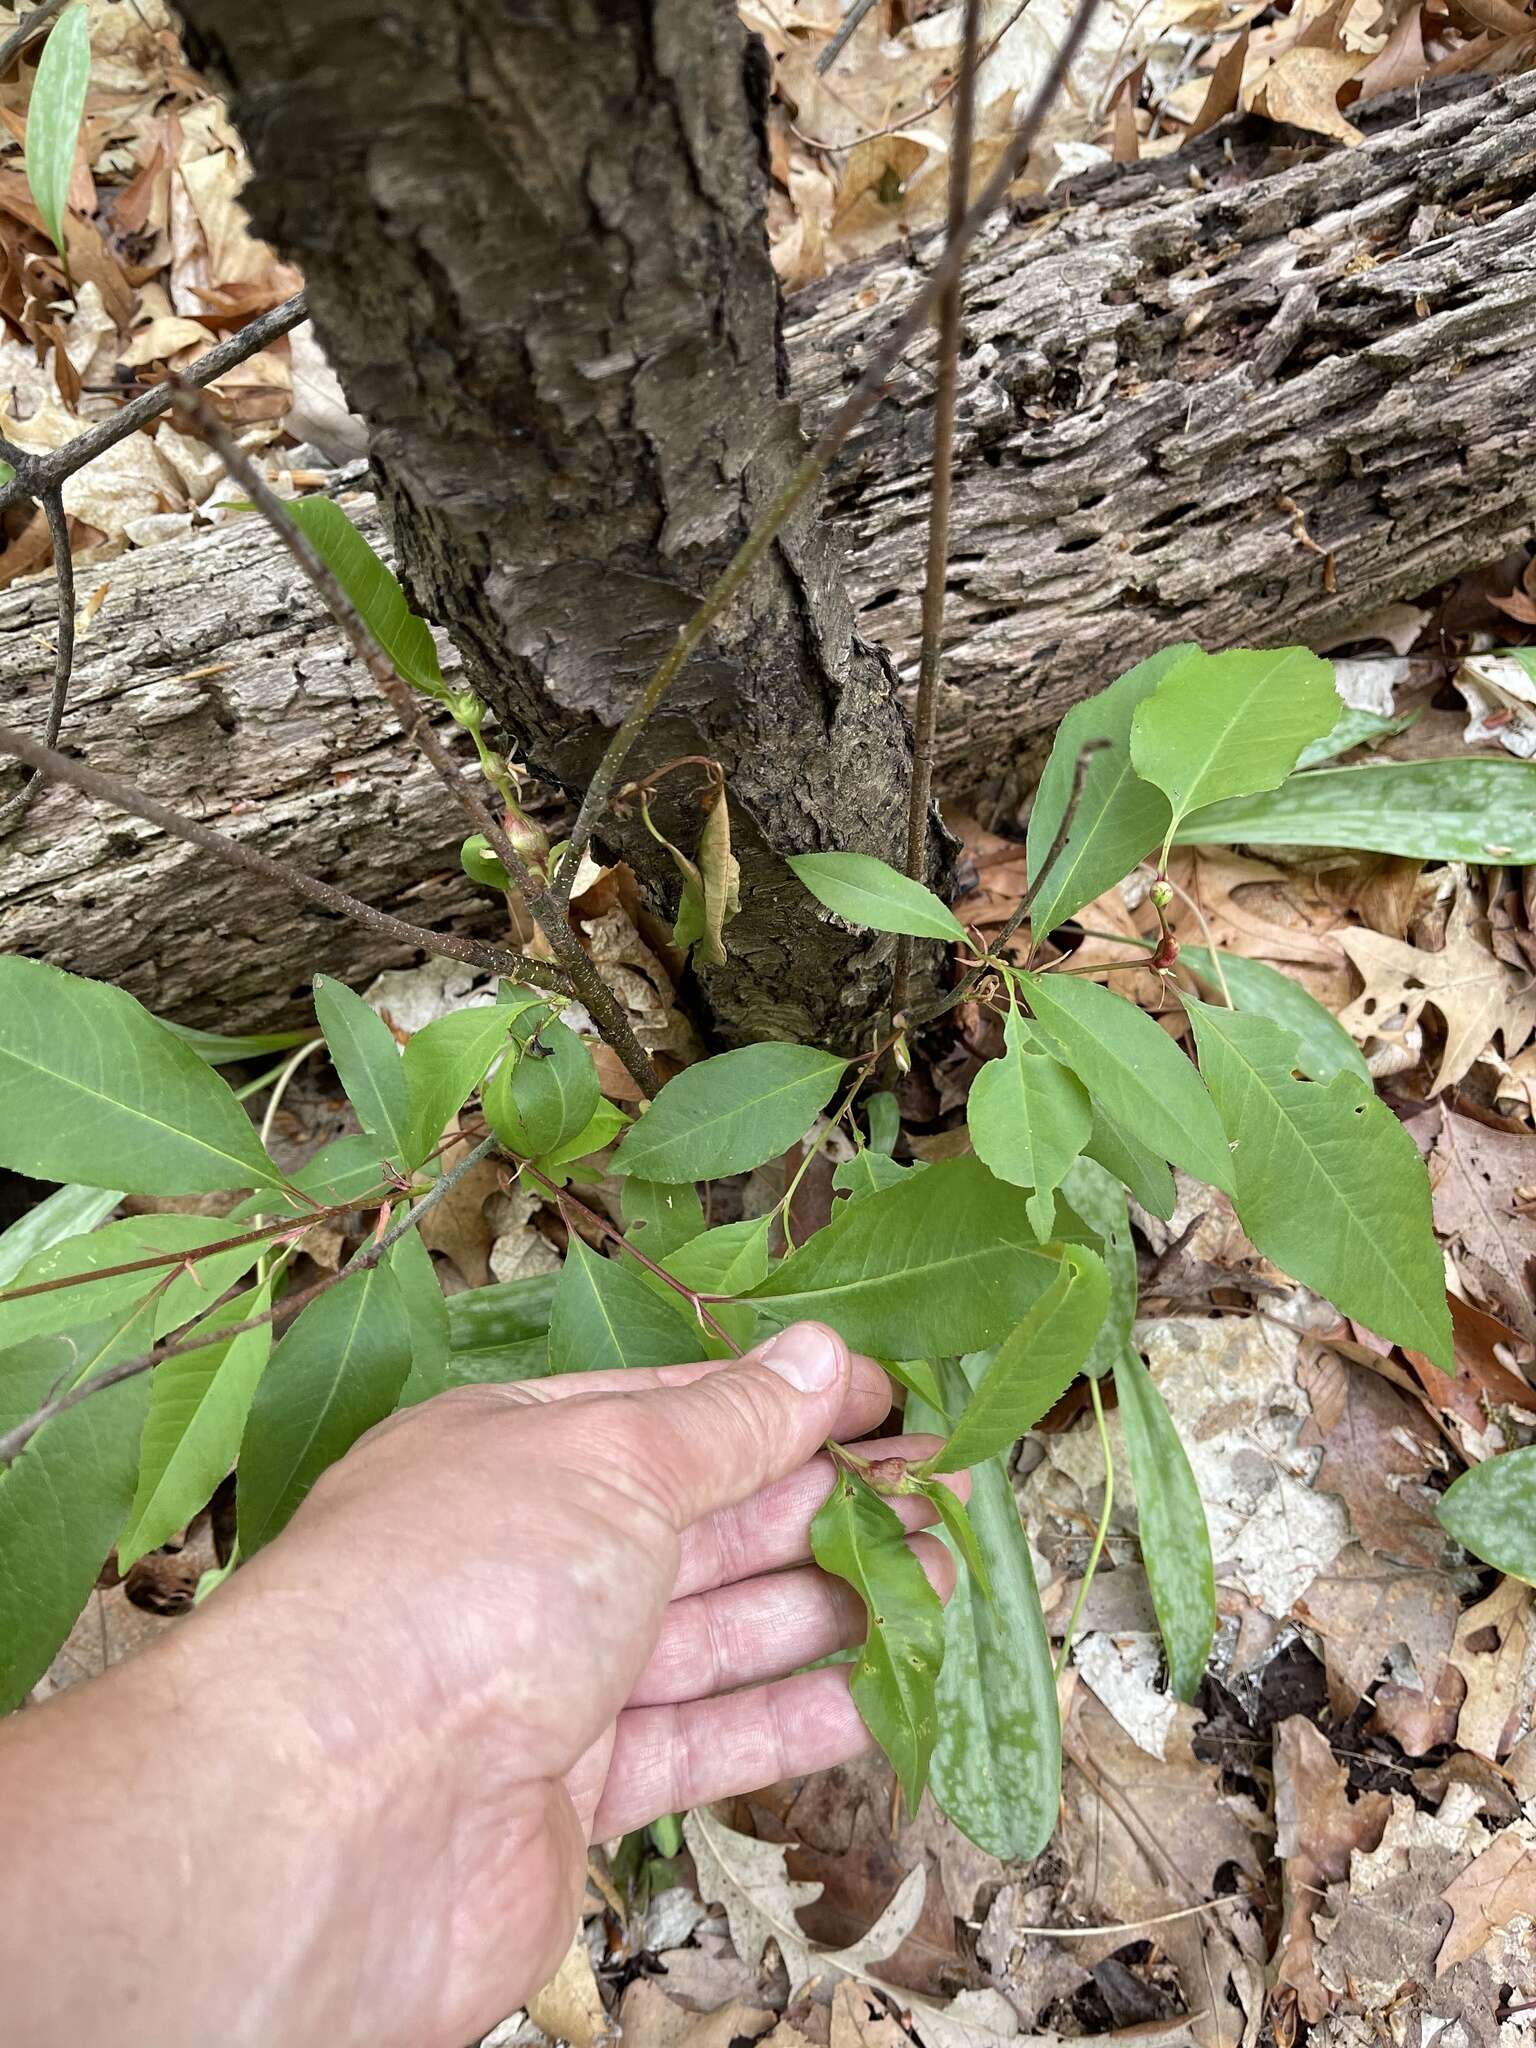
<point x="198" y="1404"/>
<point x="349" y="1170"/>
<point x="730" y="1259"/>
<point x="1225" y="725"/>
<point x="919" y="1377"/>
<point x="63" y="1501"/>
<point x="660" y="1215"/>
<point x="1461" y="809"/>
<point x="1119" y="818"/>
<point x="882" y="1113"/>
<point x="53" y="118"/>
<point x="947" y="1256"/>
<point x="596" y="1135"/>
<point x="1175" y="1541"/>
<point x="957" y="1526"/>
<point x="338" y="1370"/>
<point x="445" y="1062"/>
<point x="1491" y="1511"/>
<point x="70" y="1211"/>
<point x="119" y="1244"/>
<point x="605" y="1315"/>
<point x="216" y="1049"/>
<point x="871" y="893"/>
<point x="1139" y="1079"/>
<point x="1353" y="729"/>
<point x="869" y="1171"/>
<point x="1029" y="1119"/>
<point x="547" y="1096"/>
<point x="731" y="1113"/>
<point x="1132" y="1163"/>
<point x="997" y="1764"/>
<point x="426" y="1312"/>
<point x="1034" y="1365"/>
<point x="373" y="589"/>
<point x="1099" y="1198"/>
<point x="1326" y="1047"/>
<point x="367" y="1060"/>
<point x="1328" y="1183"/>
<point x="94" y="1089"/>
<point x="859" y="1538"/>
<point x="500" y="1332"/>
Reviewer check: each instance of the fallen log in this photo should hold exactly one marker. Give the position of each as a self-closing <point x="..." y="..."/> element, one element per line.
<point x="1249" y="393"/>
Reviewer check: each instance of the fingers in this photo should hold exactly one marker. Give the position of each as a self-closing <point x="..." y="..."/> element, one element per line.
<point x="773" y="1529"/>
<point x="763" y="1628"/>
<point x="694" y="1448"/>
<point x="666" y="1759"/>
<point x="866" y="1406"/>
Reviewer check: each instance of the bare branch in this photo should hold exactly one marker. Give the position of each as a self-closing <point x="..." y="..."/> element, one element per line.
<point x="15" y="1441"/>
<point x="412" y="710"/>
<point x="925" y="711"/>
<point x="128" y="797"/>
<point x="861" y="400"/>
<point x="846" y="29"/>
<point x="63" y="652"/>
<point x="29" y="26"/>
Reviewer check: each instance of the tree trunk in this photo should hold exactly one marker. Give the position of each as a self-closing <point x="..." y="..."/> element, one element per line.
<point x="1132" y="413"/>
<point x="534" y="240"/>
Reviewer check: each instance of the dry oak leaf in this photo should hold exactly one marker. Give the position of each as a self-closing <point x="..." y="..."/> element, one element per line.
<point x="1319" y="1828"/>
<point x="1363" y="1609"/>
<point x="1302" y="87"/>
<point x="1492" y="1641"/>
<point x="570" y="2006"/>
<point x="1493" y="1890"/>
<point x="649" y="2019"/>
<point x="1378" y="1450"/>
<point x="1475" y="993"/>
<point x="1482" y="1182"/>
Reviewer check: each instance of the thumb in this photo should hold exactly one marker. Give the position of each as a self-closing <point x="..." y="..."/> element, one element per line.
<point x="717" y="1440"/>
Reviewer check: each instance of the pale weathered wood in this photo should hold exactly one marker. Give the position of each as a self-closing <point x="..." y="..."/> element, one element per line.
<point x="1134" y="407"/>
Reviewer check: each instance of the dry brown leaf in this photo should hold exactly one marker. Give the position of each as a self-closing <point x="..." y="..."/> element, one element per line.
<point x="1222" y="93"/>
<point x="1489" y="1893"/>
<point x="1378" y="1450"/>
<point x="458" y="1225"/>
<point x="570" y="2006"/>
<point x="649" y="2019"/>
<point x="1419" y="1722"/>
<point x="1302" y="87"/>
<point x="1476" y="993"/>
<point x="1483" y="1181"/>
<point x="1319" y="1827"/>
<point x="1492" y="1640"/>
<point x="1363" y="1610"/>
<point x="860" y="2020"/>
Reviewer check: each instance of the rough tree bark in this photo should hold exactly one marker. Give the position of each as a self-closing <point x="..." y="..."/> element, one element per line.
<point x="1135" y="404"/>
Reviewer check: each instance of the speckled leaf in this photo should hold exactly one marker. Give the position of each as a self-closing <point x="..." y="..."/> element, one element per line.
<point x="1175" y="1541"/>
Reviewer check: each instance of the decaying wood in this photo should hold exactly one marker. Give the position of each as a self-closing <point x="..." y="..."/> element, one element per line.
<point x="1166" y="395"/>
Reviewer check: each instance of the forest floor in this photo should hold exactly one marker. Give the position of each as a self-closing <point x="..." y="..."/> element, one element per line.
<point x="1337" y="1841"/>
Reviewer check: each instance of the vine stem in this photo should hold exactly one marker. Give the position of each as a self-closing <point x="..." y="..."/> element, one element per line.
<point x="127" y="796"/>
<point x="15" y="1441"/>
<point x="931" y="647"/>
<point x="859" y="402"/>
<point x="1099" y="1534"/>
<point x="414" y="714"/>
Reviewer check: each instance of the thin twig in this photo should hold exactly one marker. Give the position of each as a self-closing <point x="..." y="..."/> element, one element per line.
<point x="36" y="474"/>
<point x="413" y="712"/>
<point x="30" y="25"/>
<point x="918" y="114"/>
<point x="925" y="710"/>
<point x="860" y="401"/>
<point x="126" y="796"/>
<point x="63" y="651"/>
<point x="15" y="1441"/>
<point x="1132" y="1926"/>
<point x="846" y="29"/>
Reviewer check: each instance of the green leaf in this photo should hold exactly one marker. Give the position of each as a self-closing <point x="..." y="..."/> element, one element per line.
<point x="867" y="1172"/>
<point x="1175" y="1542"/>
<point x="606" y="1315"/>
<point x="54" y="114"/>
<point x="373" y="589"/>
<point x="1099" y="1198"/>
<point x="500" y="1332"/>
<point x="659" y="1215"/>
<point x="1326" y="1047"/>
<point x="1491" y="1511"/>
<point x="63" y="1501"/>
<point x="871" y="893"/>
<point x="947" y="1256"/>
<point x="857" y="1537"/>
<point x="1461" y="809"/>
<point x="1353" y="729"/>
<point x="198" y="1403"/>
<point x="596" y="1135"/>
<point x="1224" y="725"/>
<point x="483" y="866"/>
<point x="882" y="1113"/>
<point x="1034" y="1365"/>
<point x="919" y="1377"/>
<point x="730" y="1259"/>
<point x="94" y="1089"/>
<point x="1136" y="1165"/>
<point x="1328" y="1183"/>
<point x="218" y="1051"/>
<point x="338" y="1371"/>
<point x="547" y="1096"/>
<point x="120" y="1244"/>
<point x="731" y="1113"/>
<point x="1119" y="818"/>
<point x="347" y="1170"/>
<point x="1139" y="1079"/>
<point x="957" y="1526"/>
<point x="69" y="1211"/>
<point x="997" y="1764"/>
<point x="426" y="1312"/>
<point x="1029" y="1119"/>
<point x="445" y="1062"/>
<point x="367" y="1060"/>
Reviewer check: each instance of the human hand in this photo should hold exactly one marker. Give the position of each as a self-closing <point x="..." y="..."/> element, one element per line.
<point x="510" y="1621"/>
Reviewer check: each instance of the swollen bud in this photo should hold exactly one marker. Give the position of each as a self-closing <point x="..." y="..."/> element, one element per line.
<point x="1161" y="895"/>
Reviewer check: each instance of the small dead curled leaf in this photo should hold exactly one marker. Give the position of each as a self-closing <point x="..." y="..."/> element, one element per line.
<point x="649" y="2019"/>
<point x="1364" y="1609"/>
<point x="1378" y="1452"/>
<point x="1495" y="1888"/>
<point x="1490" y="1648"/>
<point x="570" y="2006"/>
<point x="1481" y="1180"/>
<point x="1318" y="1829"/>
